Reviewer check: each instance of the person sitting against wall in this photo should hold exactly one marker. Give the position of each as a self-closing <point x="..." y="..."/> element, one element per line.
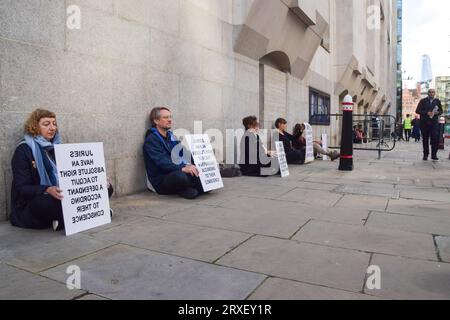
<point x="361" y="135"/>
<point x="355" y="134"/>
<point x="299" y="143"/>
<point x="35" y="195"/>
<point x="293" y="156"/>
<point x="255" y="160"/>
<point x="166" y="176"/>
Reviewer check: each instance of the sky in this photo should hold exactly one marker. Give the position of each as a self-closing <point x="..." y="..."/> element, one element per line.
<point x="426" y="30"/>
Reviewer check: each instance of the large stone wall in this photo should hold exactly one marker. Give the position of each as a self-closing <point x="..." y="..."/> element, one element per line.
<point x="102" y="80"/>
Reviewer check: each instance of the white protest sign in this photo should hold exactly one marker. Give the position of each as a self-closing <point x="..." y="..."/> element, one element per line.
<point x="82" y="179"/>
<point x="284" y="168"/>
<point x="309" y="154"/>
<point x="205" y="160"/>
<point x="325" y="145"/>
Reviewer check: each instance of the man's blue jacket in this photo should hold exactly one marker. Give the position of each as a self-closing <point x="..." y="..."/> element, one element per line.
<point x="158" y="157"/>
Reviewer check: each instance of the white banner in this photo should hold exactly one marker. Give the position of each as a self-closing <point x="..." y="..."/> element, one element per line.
<point x="309" y="155"/>
<point x="325" y="145"/>
<point x="205" y="160"/>
<point x="82" y="179"/>
<point x="284" y="168"/>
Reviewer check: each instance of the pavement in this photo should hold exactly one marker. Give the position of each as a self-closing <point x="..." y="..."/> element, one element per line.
<point x="312" y="235"/>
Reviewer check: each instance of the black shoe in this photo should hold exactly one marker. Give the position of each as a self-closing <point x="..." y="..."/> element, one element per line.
<point x="435" y="159"/>
<point x="425" y="158"/>
<point x="189" y="193"/>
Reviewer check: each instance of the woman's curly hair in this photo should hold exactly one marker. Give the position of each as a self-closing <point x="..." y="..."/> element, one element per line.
<point x="32" y="124"/>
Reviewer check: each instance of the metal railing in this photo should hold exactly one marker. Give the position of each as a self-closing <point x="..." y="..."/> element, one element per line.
<point x="379" y="131"/>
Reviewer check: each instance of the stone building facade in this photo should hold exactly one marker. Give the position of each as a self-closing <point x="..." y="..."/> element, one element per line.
<point x="411" y="99"/>
<point x="210" y="60"/>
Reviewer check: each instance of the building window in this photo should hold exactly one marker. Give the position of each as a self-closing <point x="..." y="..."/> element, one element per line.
<point x="319" y="108"/>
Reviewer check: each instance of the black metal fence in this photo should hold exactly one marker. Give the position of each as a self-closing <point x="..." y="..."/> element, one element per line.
<point x="370" y="132"/>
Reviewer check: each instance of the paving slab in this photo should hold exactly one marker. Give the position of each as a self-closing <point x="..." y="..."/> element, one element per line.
<point x="389" y="180"/>
<point x="441" y="183"/>
<point x="37" y="250"/>
<point x="312" y="197"/>
<point x="419" y="208"/>
<point x="353" y="216"/>
<point x="443" y="244"/>
<point x="393" y="242"/>
<point x="17" y="284"/>
<point x="91" y="297"/>
<point x="195" y="242"/>
<point x="249" y="215"/>
<point x="297" y="182"/>
<point x="150" y="204"/>
<point x="280" y="289"/>
<point x="120" y="217"/>
<point x="429" y="225"/>
<point x="305" y="185"/>
<point x="126" y="273"/>
<point x="439" y="195"/>
<point x="386" y="191"/>
<point x="363" y="202"/>
<point x="331" y="267"/>
<point x="410" y="279"/>
<point x="262" y="190"/>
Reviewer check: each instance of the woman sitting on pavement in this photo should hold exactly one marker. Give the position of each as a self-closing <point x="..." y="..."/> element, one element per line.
<point x="35" y="195"/>
<point x="255" y="159"/>
<point x="299" y="143"/>
<point x="293" y="156"/>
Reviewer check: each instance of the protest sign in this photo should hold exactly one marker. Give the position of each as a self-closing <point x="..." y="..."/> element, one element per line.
<point x="309" y="155"/>
<point x="284" y="168"/>
<point x="325" y="145"/>
<point x="205" y="161"/>
<point x="82" y="179"/>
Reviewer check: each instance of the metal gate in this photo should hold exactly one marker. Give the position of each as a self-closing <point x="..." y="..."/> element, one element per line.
<point x="378" y="132"/>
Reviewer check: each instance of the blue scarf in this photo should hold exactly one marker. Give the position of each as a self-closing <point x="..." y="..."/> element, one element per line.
<point x="45" y="166"/>
<point x="172" y="140"/>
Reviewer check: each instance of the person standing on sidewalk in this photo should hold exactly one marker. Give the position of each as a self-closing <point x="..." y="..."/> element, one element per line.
<point x="429" y="110"/>
<point x="416" y="129"/>
<point x="407" y="127"/>
<point x="400" y="130"/>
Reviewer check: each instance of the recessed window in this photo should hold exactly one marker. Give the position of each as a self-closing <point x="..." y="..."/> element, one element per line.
<point x="319" y="108"/>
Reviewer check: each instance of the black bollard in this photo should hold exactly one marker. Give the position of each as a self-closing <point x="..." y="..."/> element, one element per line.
<point x="441" y="133"/>
<point x="346" y="163"/>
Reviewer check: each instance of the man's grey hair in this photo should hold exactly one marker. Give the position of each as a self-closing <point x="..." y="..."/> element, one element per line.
<point x="155" y="114"/>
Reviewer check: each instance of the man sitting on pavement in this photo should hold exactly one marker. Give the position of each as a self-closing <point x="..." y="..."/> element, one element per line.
<point x="165" y="176"/>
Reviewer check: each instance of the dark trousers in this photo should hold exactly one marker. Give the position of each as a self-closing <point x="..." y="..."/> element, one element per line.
<point x="430" y="135"/>
<point x="40" y="213"/>
<point x="295" y="157"/>
<point x="407" y="134"/>
<point x="178" y="181"/>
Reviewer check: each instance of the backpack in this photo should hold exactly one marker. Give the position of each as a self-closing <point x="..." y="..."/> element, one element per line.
<point x="229" y="171"/>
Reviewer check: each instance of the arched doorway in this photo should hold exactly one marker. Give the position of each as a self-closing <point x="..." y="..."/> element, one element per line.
<point x="274" y="69"/>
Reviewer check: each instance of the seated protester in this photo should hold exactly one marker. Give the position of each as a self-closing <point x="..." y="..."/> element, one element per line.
<point x="255" y="160"/>
<point x="167" y="177"/>
<point x="35" y="195"/>
<point x="360" y="135"/>
<point x="293" y="156"/>
<point x="299" y="143"/>
<point x="357" y="135"/>
<point x="354" y="134"/>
